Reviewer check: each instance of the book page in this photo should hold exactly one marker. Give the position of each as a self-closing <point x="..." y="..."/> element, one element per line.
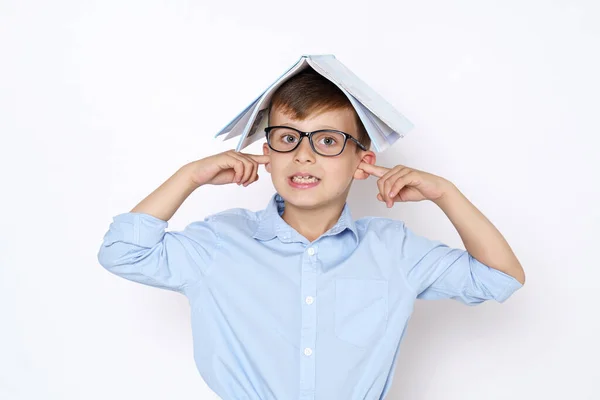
<point x="237" y="119"/>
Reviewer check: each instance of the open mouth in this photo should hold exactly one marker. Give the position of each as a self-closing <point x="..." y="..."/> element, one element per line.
<point x="304" y="179"/>
<point x="303" y="182"/>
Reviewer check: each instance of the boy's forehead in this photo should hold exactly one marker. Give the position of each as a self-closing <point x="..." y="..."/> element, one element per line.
<point x="340" y="119"/>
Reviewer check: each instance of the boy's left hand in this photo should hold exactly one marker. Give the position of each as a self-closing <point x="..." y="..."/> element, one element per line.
<point x="401" y="183"/>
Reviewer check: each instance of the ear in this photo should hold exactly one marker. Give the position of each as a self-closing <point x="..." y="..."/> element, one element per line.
<point x="266" y="152"/>
<point x="369" y="158"/>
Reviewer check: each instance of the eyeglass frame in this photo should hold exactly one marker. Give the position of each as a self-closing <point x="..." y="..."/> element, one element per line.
<point x="309" y="136"/>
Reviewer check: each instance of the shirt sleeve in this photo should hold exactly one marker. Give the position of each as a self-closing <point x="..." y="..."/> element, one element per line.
<point x="137" y="247"/>
<point x="436" y="271"/>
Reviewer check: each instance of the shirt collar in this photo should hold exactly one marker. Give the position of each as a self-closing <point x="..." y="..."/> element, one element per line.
<point x="272" y="225"/>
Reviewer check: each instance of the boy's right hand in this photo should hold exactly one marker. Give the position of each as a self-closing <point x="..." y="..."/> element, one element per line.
<point x="227" y="167"/>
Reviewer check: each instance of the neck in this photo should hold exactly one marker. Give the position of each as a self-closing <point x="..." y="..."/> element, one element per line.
<point x="312" y="223"/>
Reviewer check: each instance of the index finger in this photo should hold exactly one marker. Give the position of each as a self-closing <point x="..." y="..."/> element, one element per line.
<point x="261" y="159"/>
<point x="372" y="169"/>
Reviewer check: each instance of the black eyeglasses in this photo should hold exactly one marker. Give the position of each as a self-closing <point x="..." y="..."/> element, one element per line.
<point x="329" y="142"/>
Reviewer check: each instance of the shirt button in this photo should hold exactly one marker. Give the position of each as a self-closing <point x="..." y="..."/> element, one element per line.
<point x="307" y="351"/>
<point x="309" y="300"/>
<point x="311" y="251"/>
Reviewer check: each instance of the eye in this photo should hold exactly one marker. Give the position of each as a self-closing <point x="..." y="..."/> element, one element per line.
<point x="285" y="138"/>
<point x="331" y="140"/>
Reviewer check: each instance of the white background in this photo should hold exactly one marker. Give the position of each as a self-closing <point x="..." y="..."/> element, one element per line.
<point x="101" y="101"/>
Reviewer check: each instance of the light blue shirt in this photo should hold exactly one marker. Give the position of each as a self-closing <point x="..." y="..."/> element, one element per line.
<point x="275" y="316"/>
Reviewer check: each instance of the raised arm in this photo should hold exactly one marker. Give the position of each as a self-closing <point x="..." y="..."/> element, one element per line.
<point x="137" y="246"/>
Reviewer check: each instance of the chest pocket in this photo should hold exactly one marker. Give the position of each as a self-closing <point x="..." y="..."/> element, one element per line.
<point x="361" y="310"/>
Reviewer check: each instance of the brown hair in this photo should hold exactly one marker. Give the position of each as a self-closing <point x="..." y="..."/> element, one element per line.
<point x="308" y="92"/>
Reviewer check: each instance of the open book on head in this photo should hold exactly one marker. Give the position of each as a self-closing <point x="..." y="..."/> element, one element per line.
<point x="382" y="121"/>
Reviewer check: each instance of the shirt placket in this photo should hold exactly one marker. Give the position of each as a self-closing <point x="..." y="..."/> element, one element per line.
<point x="308" y="334"/>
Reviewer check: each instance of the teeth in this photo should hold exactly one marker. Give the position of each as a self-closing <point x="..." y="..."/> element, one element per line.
<point x="304" y="180"/>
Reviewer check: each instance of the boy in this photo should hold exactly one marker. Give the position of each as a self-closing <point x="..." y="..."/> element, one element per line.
<point x="298" y="300"/>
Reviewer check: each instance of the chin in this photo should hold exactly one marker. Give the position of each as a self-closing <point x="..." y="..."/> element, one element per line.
<point x="306" y="201"/>
<point x="299" y="197"/>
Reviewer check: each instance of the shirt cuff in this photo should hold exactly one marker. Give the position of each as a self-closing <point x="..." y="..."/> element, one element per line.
<point x="511" y="286"/>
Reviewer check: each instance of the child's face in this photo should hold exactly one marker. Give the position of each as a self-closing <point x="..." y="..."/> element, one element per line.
<point x="335" y="173"/>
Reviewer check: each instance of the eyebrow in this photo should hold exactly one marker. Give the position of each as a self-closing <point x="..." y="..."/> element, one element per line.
<point x="321" y="127"/>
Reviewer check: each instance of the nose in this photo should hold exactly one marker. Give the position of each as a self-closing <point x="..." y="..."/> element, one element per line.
<point x="304" y="152"/>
